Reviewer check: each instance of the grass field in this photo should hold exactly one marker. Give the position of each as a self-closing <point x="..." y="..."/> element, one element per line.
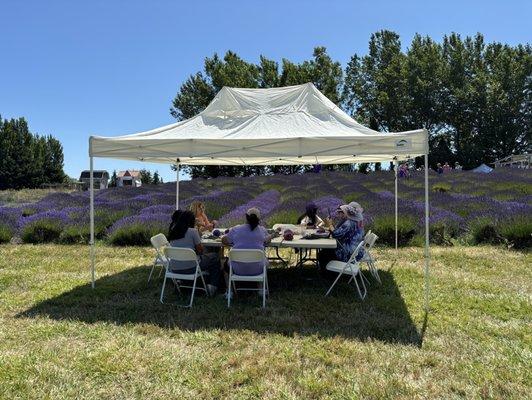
<point x="61" y="339"/>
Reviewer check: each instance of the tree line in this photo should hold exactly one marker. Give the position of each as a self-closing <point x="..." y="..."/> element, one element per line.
<point x="473" y="97"/>
<point x="28" y="160"/>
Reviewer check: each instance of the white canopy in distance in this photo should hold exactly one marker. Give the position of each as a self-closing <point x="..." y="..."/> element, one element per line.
<point x="278" y="126"/>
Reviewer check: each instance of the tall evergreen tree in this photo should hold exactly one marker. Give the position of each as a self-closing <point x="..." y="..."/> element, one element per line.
<point x="25" y="161"/>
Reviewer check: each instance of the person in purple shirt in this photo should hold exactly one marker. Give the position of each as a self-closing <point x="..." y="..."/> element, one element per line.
<point x="248" y="236"/>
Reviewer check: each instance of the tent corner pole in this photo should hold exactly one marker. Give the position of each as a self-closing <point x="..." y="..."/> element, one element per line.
<point x="427" y="253"/>
<point x="177" y="186"/>
<point x="91" y="184"/>
<point x="396" y="164"/>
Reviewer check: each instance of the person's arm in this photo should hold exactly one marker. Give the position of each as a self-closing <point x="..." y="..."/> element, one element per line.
<point x="319" y="222"/>
<point x="341" y="231"/>
<point x="199" y="249"/>
<point x="205" y="220"/>
<point x="227" y="240"/>
<point x="267" y="237"/>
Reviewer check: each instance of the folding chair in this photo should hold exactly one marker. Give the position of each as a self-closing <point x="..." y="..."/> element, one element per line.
<point x="369" y="242"/>
<point x="350" y="268"/>
<point x="183" y="255"/>
<point x="247" y="256"/>
<point x="159" y="241"/>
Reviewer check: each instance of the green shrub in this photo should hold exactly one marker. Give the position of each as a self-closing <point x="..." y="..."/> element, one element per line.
<point x="517" y="232"/>
<point x="441" y="187"/>
<point x="133" y="235"/>
<point x="484" y="230"/>
<point x="42" y="231"/>
<point x="283" y="217"/>
<point x="75" y="234"/>
<point x="384" y="228"/>
<point x="5" y="234"/>
<point x="103" y="219"/>
<point x="215" y="210"/>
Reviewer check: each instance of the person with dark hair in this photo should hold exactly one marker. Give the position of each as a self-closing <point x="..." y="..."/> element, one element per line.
<point x="311" y="217"/>
<point x="183" y="234"/>
<point x="175" y="217"/>
<point x="248" y="236"/>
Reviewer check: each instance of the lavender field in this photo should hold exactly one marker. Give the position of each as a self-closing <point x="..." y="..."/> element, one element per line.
<point x="465" y="207"/>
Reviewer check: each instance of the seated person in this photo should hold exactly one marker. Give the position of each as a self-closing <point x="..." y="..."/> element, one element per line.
<point x="183" y="234"/>
<point x="202" y="222"/>
<point x="310" y="218"/>
<point x="248" y="236"/>
<point x="348" y="232"/>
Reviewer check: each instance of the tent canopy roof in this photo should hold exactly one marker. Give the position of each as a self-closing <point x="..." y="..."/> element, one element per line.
<point x="278" y="126"/>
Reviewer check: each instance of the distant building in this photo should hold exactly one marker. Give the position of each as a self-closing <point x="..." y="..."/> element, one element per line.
<point x="129" y="178"/>
<point x="522" y="161"/>
<point x="101" y="179"/>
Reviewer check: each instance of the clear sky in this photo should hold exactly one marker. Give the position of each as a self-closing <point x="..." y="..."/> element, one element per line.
<point x="108" y="68"/>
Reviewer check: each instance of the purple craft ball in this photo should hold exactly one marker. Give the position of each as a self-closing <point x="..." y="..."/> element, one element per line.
<point x="216" y="233"/>
<point x="288" y="235"/>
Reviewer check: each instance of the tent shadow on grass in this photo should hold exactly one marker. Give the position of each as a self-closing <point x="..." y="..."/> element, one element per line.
<point x="297" y="306"/>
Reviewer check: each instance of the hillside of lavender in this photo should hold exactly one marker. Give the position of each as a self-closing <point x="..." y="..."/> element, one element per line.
<point x="465" y="207"/>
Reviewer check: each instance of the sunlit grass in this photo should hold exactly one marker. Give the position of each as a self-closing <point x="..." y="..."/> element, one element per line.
<point x="61" y="339"/>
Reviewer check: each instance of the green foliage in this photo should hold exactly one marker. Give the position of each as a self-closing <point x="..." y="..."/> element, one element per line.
<point x="441" y="187"/>
<point x="114" y="179"/>
<point x="384" y="228"/>
<point x="518" y="232"/>
<point x="28" y="160"/>
<point x="484" y="230"/>
<point x="156" y="179"/>
<point x="215" y="210"/>
<point x="133" y="235"/>
<point x="5" y="234"/>
<point x="105" y="218"/>
<point x="283" y="217"/>
<point x="145" y="177"/>
<point x="444" y="88"/>
<point x="42" y="231"/>
<point x="75" y="234"/>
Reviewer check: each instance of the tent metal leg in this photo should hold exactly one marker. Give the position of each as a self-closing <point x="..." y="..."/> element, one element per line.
<point x="177" y="188"/>
<point x="427" y="253"/>
<point x="396" y="220"/>
<point x="91" y="184"/>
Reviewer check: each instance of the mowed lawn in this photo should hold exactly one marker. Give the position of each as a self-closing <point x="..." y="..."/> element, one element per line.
<point x="61" y="339"/>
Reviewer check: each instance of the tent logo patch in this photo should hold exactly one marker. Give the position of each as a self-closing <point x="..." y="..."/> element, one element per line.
<point x="402" y="144"/>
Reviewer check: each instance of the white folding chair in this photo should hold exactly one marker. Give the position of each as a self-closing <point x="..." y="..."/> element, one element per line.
<point x="247" y="256"/>
<point x="350" y="268"/>
<point x="183" y="255"/>
<point x="369" y="242"/>
<point x="159" y="241"/>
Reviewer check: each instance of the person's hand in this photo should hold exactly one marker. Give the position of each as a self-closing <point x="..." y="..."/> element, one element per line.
<point x="328" y="223"/>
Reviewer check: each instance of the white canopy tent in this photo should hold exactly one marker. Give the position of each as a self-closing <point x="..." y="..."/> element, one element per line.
<point x="279" y="126"/>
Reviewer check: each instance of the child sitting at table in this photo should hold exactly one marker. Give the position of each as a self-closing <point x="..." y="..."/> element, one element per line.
<point x="310" y="218"/>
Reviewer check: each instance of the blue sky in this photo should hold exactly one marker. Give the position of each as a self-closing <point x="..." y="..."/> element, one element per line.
<point x="73" y="69"/>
